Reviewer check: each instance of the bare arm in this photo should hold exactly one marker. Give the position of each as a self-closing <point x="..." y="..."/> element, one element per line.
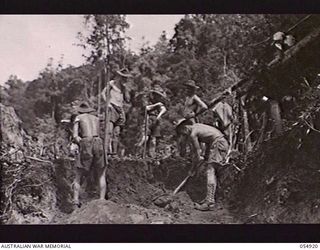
<point x="182" y="145"/>
<point x="110" y="85"/>
<point x="76" y="136"/>
<point x="163" y="110"/>
<point x="126" y="94"/>
<point x="200" y="103"/>
<point x="196" y="147"/>
<point x="159" y="105"/>
<point x="207" y="153"/>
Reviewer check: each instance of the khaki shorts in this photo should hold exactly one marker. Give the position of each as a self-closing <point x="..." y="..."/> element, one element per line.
<point x="218" y="151"/>
<point x="153" y="128"/>
<point x="116" y="115"/>
<point x="91" y="153"/>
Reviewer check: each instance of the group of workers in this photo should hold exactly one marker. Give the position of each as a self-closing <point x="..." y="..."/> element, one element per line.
<point x="208" y="144"/>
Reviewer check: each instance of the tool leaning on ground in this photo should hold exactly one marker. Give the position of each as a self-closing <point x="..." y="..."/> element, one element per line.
<point x="145" y="133"/>
<point x="165" y="198"/>
<point x="190" y="174"/>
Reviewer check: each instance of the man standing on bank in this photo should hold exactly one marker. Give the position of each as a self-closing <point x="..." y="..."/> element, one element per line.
<point x="152" y="113"/>
<point x="193" y="103"/>
<point x="86" y="135"/>
<point x="118" y="94"/>
<point x="216" y="148"/>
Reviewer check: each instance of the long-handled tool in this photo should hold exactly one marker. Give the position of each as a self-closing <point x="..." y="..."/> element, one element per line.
<point x="166" y="198"/>
<point x="191" y="174"/>
<point x="231" y="145"/>
<point x="145" y="133"/>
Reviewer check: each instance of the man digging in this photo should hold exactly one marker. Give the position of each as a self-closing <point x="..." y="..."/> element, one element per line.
<point x="86" y="135"/>
<point x="216" y="148"/>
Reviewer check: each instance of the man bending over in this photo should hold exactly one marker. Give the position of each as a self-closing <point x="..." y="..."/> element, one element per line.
<point x="216" y="148"/>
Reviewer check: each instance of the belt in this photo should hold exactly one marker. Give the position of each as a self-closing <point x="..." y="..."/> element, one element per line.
<point x="94" y="136"/>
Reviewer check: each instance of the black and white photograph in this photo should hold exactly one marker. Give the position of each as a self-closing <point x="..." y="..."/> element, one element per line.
<point x="160" y="119"/>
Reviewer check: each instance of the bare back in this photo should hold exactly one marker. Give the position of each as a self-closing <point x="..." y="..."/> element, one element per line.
<point x="205" y="133"/>
<point x="88" y="125"/>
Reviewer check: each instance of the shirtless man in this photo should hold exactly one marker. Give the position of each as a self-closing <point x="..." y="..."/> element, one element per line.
<point x="193" y="104"/>
<point x="215" y="153"/>
<point x="155" y="110"/>
<point x="86" y="135"/>
<point x="118" y="93"/>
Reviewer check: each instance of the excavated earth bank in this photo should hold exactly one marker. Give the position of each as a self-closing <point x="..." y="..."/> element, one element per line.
<point x="134" y="187"/>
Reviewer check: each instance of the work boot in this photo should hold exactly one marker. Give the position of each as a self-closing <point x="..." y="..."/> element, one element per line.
<point x="208" y="203"/>
<point x="206" y="206"/>
<point x="202" y="201"/>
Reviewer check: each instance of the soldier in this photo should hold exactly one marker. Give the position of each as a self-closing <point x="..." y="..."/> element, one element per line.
<point x="216" y="148"/>
<point x="193" y="104"/>
<point x="224" y="118"/>
<point x="281" y="42"/>
<point x="151" y="128"/>
<point x="118" y="94"/>
<point x="86" y="135"/>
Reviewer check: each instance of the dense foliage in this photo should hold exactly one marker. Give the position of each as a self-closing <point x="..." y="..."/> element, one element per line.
<point x="214" y="50"/>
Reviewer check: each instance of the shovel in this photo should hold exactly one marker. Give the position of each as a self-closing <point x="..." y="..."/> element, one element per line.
<point x="191" y="174"/>
<point x="162" y="201"/>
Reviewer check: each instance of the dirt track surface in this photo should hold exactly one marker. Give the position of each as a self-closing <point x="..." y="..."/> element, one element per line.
<point x="134" y="186"/>
<point x="281" y="188"/>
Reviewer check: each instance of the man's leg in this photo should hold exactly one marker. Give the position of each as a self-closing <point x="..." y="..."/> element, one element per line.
<point x="76" y="186"/>
<point x="102" y="182"/>
<point x="152" y="146"/>
<point x="211" y="183"/>
<point x="115" y="139"/>
<point x="207" y="204"/>
<point x="108" y="141"/>
<point x="99" y="165"/>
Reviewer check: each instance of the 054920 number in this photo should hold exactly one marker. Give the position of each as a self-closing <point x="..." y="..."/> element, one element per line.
<point x="308" y="245"/>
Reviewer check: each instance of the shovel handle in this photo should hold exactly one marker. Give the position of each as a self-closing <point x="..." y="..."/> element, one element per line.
<point x="181" y="185"/>
<point x="186" y="179"/>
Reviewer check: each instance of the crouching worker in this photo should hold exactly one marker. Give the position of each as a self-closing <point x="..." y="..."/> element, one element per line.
<point x="216" y="148"/>
<point x="86" y="135"/>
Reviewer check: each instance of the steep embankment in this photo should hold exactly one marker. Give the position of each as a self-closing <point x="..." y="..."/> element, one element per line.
<point x="281" y="181"/>
<point x="134" y="187"/>
<point x="39" y="191"/>
<point x="27" y="193"/>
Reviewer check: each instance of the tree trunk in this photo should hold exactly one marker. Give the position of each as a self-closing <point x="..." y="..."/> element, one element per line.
<point x="275" y="114"/>
<point x="99" y="93"/>
<point x="246" y="129"/>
